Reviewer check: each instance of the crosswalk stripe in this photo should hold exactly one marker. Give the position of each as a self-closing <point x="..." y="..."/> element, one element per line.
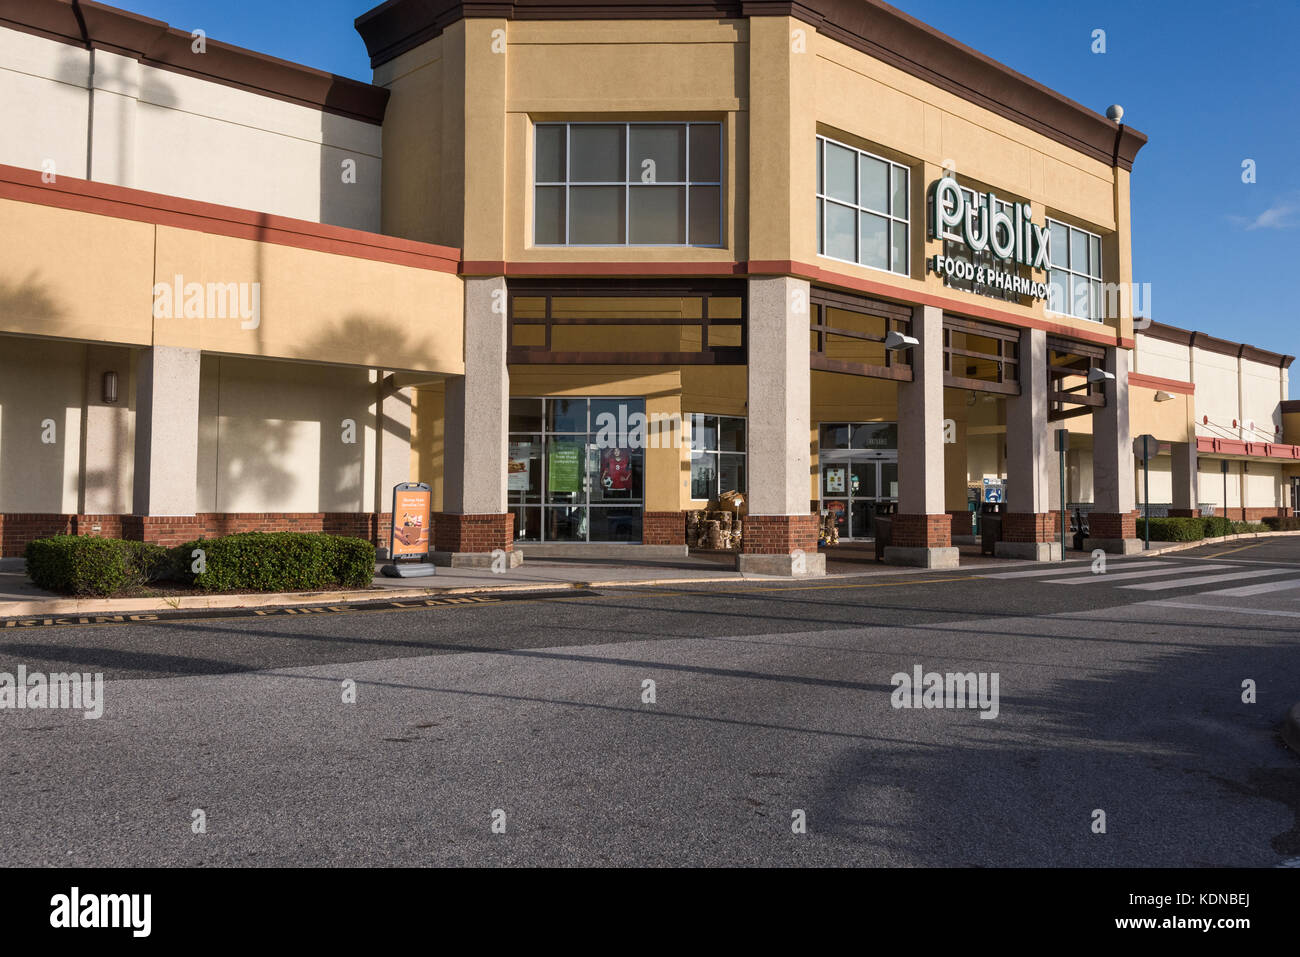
<point x="1118" y="576"/>
<point x="1247" y="590"/>
<point x="1205" y="580"/>
<point x="1066" y="569"/>
<point x="1167" y="603"/>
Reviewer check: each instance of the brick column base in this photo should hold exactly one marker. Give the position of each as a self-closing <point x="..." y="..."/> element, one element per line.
<point x="473" y="533"/>
<point x="663" y="528"/>
<point x="780" y="545"/>
<point x="921" y="540"/>
<point x="1183" y="513"/>
<point x="1113" y="532"/>
<point x="962" y="523"/>
<point x="165" y="530"/>
<point x="921" y="531"/>
<point x="779" y="534"/>
<point x="1031" y="527"/>
<point x="1110" y="525"/>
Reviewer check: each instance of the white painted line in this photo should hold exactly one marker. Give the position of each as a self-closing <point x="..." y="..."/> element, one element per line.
<point x="1205" y="580"/>
<point x="1118" y="576"/>
<point x="1165" y="603"/>
<point x="1247" y="590"/>
<point x="1064" y="569"/>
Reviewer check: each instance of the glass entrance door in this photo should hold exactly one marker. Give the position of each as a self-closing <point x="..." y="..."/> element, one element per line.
<point x="856" y="489"/>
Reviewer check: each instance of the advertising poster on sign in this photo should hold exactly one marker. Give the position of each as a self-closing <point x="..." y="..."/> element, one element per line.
<point x="519" y="470"/>
<point x="411" y="516"/>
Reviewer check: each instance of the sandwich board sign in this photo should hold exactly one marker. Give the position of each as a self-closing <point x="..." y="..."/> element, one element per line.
<point x="412" y="514"/>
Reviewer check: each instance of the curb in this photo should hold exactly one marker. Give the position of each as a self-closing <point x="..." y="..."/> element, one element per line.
<point x="1291" y="728"/>
<point x="101" y="606"/>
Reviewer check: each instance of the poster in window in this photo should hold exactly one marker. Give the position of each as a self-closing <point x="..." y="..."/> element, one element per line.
<point x="564" y="471"/>
<point x="616" y="472"/>
<point x="519" y="469"/>
<point x="835" y="479"/>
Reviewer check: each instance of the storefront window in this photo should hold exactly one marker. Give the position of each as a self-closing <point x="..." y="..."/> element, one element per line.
<point x="717" y="455"/>
<point x="859" y="474"/>
<point x="616" y="184"/>
<point x="576" y="471"/>
<point x="862" y="207"/>
<point x="1074" y="282"/>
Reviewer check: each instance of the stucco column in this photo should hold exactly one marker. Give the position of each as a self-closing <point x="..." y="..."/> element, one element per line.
<point x="1112" y="524"/>
<point x="1031" y="527"/>
<point x="780" y="535"/>
<point x="1183" y="471"/>
<point x="166" y="446"/>
<point x="475" y="520"/>
<point x="921" y="532"/>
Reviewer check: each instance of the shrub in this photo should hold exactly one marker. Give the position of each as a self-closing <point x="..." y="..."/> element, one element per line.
<point x="1172" y="529"/>
<point x="1240" y="527"/>
<point x="81" y="565"/>
<point x="1217" y="526"/>
<point x="277" y="561"/>
<point x="1282" y="523"/>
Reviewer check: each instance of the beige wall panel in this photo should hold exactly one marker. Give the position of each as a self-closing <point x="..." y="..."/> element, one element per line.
<point x="317" y="306"/>
<point x="46" y="255"/>
<point x="42" y="388"/>
<point x="278" y="442"/>
<point x="427" y="437"/>
<point x="413" y="204"/>
<point x="1168" y="360"/>
<point x="44" y="104"/>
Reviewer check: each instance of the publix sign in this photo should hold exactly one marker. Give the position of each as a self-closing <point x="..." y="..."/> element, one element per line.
<point x="1012" y="236"/>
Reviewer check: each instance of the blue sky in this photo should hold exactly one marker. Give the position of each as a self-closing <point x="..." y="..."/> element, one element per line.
<point x="1212" y="84"/>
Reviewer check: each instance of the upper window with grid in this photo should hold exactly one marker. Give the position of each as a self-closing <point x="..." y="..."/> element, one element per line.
<point x="627" y="184"/>
<point x="862" y="207"/>
<point x="1074" y="282"/>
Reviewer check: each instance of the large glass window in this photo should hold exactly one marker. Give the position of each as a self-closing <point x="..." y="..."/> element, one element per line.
<point x="862" y="207"/>
<point x="717" y="455"/>
<point x="1074" y="282"/>
<point x="576" y="469"/>
<point x="620" y="184"/>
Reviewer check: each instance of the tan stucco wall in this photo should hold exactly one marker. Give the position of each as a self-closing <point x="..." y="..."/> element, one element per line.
<point x="77" y="275"/>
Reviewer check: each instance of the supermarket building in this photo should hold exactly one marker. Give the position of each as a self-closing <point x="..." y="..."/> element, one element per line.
<point x="581" y="268"/>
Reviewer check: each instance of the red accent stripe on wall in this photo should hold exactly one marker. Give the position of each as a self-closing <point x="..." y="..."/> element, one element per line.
<point x="122" y="202"/>
<point x="1155" y="382"/>
<point x="1262" y="450"/>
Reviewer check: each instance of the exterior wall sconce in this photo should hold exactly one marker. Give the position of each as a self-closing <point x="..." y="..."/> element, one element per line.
<point x="898" y="341"/>
<point x="1098" y="374"/>
<point x="1164" y="396"/>
<point x="109" y="393"/>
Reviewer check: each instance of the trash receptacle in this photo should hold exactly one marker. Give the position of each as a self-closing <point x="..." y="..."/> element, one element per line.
<point x="883" y="530"/>
<point x="990" y="532"/>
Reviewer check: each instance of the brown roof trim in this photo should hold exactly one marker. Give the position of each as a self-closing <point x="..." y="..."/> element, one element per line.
<point x="158" y="45"/>
<point x="1290" y="406"/>
<point x="1209" y="343"/>
<point x="870" y="26"/>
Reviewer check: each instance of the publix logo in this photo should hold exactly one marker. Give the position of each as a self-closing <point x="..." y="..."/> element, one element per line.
<point x="1009" y="235"/>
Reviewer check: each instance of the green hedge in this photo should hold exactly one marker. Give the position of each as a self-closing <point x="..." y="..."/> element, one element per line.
<point x="81" y="565"/>
<point x="1288" y="523"/>
<point x="1173" y="529"/>
<point x="278" y="561"/>
<point x="254" y="561"/>
<point x="1216" y="526"/>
